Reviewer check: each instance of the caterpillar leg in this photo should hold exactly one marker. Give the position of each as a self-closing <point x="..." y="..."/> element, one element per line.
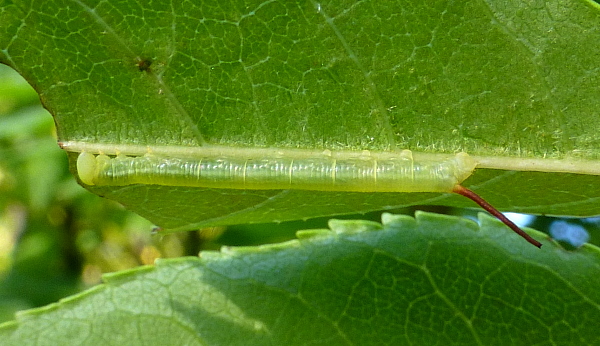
<point x="490" y="209"/>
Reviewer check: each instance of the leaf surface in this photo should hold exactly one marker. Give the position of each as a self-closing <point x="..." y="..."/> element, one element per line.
<point x="433" y="280"/>
<point x="495" y="79"/>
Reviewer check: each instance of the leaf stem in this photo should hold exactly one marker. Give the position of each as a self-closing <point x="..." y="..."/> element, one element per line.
<point x="490" y="209"/>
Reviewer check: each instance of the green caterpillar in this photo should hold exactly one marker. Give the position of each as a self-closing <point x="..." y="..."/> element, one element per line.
<point x="267" y="169"/>
<point x="324" y="173"/>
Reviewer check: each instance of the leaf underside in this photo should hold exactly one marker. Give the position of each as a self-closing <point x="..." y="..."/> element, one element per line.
<point x="507" y="79"/>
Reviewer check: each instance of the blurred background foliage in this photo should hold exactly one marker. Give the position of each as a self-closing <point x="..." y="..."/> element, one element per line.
<point x="57" y="239"/>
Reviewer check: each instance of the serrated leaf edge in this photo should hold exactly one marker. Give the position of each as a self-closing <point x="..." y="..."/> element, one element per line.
<point x="338" y="228"/>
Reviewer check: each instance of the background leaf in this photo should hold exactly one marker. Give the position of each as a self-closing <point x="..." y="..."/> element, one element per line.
<point x="438" y="280"/>
<point x="503" y="79"/>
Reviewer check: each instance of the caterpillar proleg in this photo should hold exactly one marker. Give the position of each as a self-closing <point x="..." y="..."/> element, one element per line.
<point x="263" y="170"/>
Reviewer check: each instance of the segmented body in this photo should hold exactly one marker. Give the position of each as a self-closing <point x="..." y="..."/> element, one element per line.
<point x="339" y="171"/>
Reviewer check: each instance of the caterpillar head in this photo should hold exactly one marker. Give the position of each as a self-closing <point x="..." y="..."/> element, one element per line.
<point x="86" y="167"/>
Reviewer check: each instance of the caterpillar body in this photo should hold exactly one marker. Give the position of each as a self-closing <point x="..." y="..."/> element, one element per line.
<point x="264" y="169"/>
<point x="325" y="173"/>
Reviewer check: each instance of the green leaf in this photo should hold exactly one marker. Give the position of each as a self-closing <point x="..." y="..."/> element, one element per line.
<point x="433" y="280"/>
<point x="504" y="80"/>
